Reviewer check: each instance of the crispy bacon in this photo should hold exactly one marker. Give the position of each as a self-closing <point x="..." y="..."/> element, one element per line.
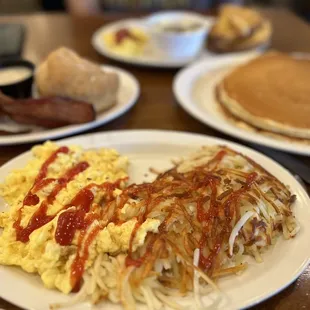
<point x="47" y="112"/>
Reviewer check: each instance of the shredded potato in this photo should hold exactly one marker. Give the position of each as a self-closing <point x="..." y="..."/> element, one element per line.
<point x="214" y="209"/>
<point x="177" y="235"/>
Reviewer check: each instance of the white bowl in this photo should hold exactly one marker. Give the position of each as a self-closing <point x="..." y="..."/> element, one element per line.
<point x="186" y="44"/>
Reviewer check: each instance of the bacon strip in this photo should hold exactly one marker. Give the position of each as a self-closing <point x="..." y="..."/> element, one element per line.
<point x="47" y="112"/>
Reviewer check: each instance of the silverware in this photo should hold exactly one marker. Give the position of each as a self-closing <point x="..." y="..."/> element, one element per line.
<point x="296" y="166"/>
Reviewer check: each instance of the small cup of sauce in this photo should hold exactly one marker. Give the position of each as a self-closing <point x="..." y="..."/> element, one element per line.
<point x="178" y="34"/>
<point x="16" y="77"/>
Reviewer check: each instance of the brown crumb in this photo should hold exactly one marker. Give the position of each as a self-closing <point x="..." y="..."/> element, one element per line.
<point x="154" y="171"/>
<point x="227" y="181"/>
<point x="292" y="199"/>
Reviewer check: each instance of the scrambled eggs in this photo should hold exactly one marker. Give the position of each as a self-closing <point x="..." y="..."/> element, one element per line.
<point x="126" y="42"/>
<point x="42" y="254"/>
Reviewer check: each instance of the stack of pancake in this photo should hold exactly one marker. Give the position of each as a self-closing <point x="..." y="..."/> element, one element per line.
<point x="238" y="28"/>
<point x="270" y="93"/>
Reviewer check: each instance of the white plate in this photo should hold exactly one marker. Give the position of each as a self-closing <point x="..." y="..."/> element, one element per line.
<point x="147" y="148"/>
<point x="152" y="57"/>
<point x="128" y="94"/>
<point x="200" y="102"/>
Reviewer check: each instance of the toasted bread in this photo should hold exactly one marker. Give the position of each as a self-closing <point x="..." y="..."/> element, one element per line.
<point x="64" y="73"/>
<point x="238" y="28"/>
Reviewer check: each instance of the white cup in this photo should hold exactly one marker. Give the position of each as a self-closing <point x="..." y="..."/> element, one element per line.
<point x="183" y="44"/>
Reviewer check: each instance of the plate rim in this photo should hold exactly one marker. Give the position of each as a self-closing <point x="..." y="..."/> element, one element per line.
<point x="197" y="139"/>
<point x="200" y="68"/>
<point x="62" y="132"/>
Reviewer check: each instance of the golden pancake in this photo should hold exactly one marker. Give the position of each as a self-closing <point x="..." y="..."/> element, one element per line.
<point x="270" y="92"/>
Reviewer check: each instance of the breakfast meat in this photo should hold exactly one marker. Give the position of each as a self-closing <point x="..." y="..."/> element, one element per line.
<point x="47" y="112"/>
<point x="55" y="111"/>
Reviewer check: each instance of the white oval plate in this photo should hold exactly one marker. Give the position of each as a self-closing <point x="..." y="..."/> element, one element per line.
<point x="152" y="57"/>
<point x="150" y="148"/>
<point x="201" y="103"/>
<point x="128" y="95"/>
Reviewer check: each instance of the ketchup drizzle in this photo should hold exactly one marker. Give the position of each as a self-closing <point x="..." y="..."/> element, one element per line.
<point x="215" y="217"/>
<point x="78" y="219"/>
<point x="124" y="33"/>
<point x="78" y="265"/>
<point x="207" y="262"/>
<point x="40" y="217"/>
<point x="70" y="221"/>
<point x="31" y="199"/>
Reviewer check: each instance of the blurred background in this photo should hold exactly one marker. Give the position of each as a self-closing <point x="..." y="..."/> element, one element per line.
<point x="300" y="7"/>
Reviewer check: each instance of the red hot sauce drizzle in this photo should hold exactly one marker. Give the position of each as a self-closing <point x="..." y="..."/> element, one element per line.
<point x="217" y="158"/>
<point x="78" y="265"/>
<point x="79" y="219"/>
<point x="31" y="199"/>
<point x="214" y="230"/>
<point x="207" y="262"/>
<point x="70" y="221"/>
<point x="40" y="217"/>
<point x="124" y="33"/>
<point x="129" y="260"/>
<point x="149" y="189"/>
